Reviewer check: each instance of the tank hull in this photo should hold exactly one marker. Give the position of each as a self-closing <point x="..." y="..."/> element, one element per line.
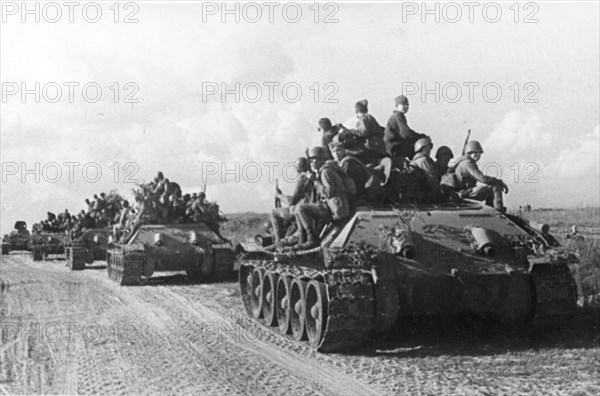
<point x="360" y="283"/>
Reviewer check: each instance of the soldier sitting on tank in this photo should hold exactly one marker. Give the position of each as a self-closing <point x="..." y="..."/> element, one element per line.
<point x="398" y="131"/>
<point x="468" y="181"/>
<point x="423" y="161"/>
<point x="304" y="192"/>
<point x="333" y="188"/>
<point x="329" y="133"/>
<point x="353" y="168"/>
<point x="443" y="155"/>
<point x="362" y="136"/>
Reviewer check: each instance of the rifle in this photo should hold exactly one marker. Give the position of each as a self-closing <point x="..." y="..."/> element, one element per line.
<point x="466" y="141"/>
<point x="277" y="191"/>
<point x="204" y="188"/>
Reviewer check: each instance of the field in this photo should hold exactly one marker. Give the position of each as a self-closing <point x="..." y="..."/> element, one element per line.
<point x="587" y="272"/>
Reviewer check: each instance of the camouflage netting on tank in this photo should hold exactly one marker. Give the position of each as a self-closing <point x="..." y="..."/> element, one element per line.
<point x="353" y="255"/>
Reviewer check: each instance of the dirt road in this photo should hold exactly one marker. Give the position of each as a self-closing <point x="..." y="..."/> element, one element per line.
<point x="79" y="333"/>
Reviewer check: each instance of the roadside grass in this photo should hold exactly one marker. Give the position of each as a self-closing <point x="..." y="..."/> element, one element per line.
<point x="587" y="272"/>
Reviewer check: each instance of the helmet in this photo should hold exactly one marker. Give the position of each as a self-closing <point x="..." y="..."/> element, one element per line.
<point x="423" y="142"/>
<point x="317" y="152"/>
<point x="302" y="164"/>
<point x="444" y="150"/>
<point x="473" y="146"/>
<point x="201" y="195"/>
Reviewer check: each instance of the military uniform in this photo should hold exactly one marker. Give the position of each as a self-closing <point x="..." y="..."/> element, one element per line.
<point x="281" y="218"/>
<point x="432" y="178"/>
<point x="398" y="131"/>
<point x="357" y="172"/>
<point x="470" y="182"/>
<point x="333" y="202"/>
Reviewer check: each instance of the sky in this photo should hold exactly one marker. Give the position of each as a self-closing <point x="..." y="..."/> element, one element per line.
<point x="160" y="94"/>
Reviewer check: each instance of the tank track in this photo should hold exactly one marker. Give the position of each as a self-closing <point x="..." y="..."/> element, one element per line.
<point x="76" y="256"/>
<point x="350" y="304"/>
<point x="555" y="293"/>
<point x="37" y="252"/>
<point x="124" y="265"/>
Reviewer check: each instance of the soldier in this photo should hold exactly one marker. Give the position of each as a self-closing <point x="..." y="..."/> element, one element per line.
<point x="159" y="184"/>
<point x="397" y="130"/>
<point x="443" y="156"/>
<point x="353" y="168"/>
<point x="304" y="192"/>
<point x="329" y="132"/>
<point x="470" y="182"/>
<point x="363" y="137"/>
<point x="333" y="198"/>
<point x="423" y="161"/>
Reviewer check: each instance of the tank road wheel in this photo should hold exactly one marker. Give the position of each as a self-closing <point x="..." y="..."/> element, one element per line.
<point x="76" y="257"/>
<point x="256" y="295"/>
<point x="269" y="307"/>
<point x="38" y="253"/>
<point x="316" y="311"/>
<point x="297" y="309"/>
<point x="282" y="304"/>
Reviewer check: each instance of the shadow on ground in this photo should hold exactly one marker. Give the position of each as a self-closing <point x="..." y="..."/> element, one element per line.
<point x="469" y="335"/>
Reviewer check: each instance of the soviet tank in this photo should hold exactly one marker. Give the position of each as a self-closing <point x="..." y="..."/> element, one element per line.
<point x="194" y="248"/>
<point x="386" y="263"/>
<point x="90" y="246"/>
<point x="44" y="243"/>
<point x="18" y="239"/>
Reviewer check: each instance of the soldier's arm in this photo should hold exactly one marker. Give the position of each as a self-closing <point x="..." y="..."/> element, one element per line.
<point x="478" y="175"/>
<point x="328" y="183"/>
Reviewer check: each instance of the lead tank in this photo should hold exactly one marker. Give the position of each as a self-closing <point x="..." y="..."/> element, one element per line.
<point x="194" y="248"/>
<point x="387" y="263"/>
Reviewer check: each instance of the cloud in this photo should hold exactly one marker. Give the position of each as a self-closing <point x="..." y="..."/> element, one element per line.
<point x="583" y="160"/>
<point x="518" y="132"/>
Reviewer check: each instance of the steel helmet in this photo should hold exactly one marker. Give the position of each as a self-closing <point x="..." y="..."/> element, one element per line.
<point x="302" y="164"/>
<point x="444" y="150"/>
<point x="317" y="152"/>
<point x="473" y="146"/>
<point x="422" y="143"/>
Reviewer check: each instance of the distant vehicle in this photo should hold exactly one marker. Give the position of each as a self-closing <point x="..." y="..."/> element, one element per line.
<point x="386" y="263"/>
<point x="91" y="246"/>
<point x="45" y="243"/>
<point x="194" y="248"/>
<point x="19" y="239"/>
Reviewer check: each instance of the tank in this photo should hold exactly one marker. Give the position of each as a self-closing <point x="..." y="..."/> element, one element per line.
<point x="18" y="239"/>
<point x="193" y="248"/>
<point x="45" y="243"/>
<point x="387" y="263"/>
<point x="89" y="247"/>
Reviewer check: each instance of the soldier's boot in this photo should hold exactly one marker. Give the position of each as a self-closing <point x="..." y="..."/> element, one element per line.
<point x="312" y="241"/>
<point x="498" y="199"/>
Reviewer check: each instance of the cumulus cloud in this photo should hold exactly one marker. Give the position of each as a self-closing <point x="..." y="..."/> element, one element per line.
<point x="518" y="131"/>
<point x="582" y="160"/>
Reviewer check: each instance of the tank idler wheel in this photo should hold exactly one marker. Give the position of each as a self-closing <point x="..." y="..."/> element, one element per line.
<point x="297" y="309"/>
<point x="315" y="312"/>
<point x="269" y="308"/>
<point x="283" y="304"/>
<point x="256" y="295"/>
